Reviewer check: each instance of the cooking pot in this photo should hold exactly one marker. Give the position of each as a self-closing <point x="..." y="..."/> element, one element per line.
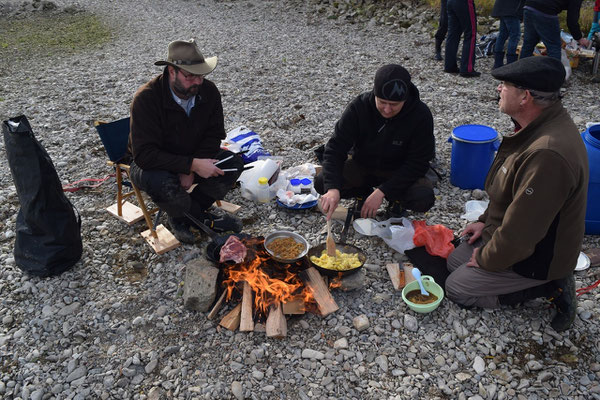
<point x="342" y="247"/>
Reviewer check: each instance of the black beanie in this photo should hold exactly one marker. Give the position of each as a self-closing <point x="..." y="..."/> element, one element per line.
<point x="391" y="83"/>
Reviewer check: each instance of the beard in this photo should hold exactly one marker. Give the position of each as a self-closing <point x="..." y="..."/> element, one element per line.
<point x="181" y="90"/>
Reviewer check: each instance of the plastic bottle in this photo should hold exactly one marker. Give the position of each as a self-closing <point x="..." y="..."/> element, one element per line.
<point x="262" y="192"/>
<point x="301" y="185"/>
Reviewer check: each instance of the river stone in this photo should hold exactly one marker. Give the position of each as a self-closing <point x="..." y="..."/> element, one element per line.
<point x="200" y="288"/>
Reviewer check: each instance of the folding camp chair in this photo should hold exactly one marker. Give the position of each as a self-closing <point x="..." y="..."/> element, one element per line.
<point x="115" y="136"/>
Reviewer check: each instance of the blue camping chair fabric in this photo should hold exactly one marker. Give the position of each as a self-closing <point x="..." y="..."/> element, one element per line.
<point x="115" y="136"/>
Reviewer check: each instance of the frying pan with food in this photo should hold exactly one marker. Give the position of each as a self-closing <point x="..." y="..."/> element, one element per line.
<point x="342" y="247"/>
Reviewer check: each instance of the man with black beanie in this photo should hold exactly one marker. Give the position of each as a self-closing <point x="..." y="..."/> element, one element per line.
<point x="381" y="148"/>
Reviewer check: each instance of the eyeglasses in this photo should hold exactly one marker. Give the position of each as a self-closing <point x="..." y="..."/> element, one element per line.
<point x="189" y="76"/>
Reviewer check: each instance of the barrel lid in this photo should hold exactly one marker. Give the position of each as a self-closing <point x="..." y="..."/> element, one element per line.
<point x="474" y="133"/>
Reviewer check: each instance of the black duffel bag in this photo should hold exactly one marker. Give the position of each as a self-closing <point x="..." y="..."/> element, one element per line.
<point x="48" y="232"/>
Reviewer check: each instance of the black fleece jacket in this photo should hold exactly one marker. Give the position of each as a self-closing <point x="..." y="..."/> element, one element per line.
<point x="508" y="8"/>
<point x="554" y="7"/>
<point x="404" y="144"/>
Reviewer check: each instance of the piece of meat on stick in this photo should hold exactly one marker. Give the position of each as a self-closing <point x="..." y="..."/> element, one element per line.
<point x="233" y="250"/>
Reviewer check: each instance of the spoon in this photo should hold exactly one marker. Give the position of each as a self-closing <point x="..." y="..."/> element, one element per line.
<point x="417" y="274"/>
<point x="330" y="242"/>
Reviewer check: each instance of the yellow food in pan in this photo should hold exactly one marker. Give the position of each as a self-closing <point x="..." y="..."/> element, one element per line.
<point x="341" y="261"/>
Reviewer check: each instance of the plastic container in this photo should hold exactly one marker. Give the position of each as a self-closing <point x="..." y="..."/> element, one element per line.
<point x="431" y="287"/>
<point x="301" y="185"/>
<point x="473" y="150"/>
<point x="262" y="191"/>
<point x="591" y="139"/>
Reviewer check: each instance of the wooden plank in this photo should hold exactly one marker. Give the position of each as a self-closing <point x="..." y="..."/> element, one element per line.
<point x="231" y="320"/>
<point x="316" y="284"/>
<point x="294" y="307"/>
<point x="246" y="321"/>
<point x="276" y="323"/>
<point x="164" y="240"/>
<point x="393" y="270"/>
<point x="340" y="212"/>
<point x="227" y="206"/>
<point x="217" y="306"/>
<point x="131" y="212"/>
<point x="408" y="276"/>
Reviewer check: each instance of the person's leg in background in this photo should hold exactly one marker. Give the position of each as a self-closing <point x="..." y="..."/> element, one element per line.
<point x="530" y="35"/>
<point x="548" y="27"/>
<point x="595" y="25"/>
<point x="468" y="21"/>
<point x="500" y="41"/>
<point x="513" y="26"/>
<point x="442" y="30"/>
<point x="453" y="39"/>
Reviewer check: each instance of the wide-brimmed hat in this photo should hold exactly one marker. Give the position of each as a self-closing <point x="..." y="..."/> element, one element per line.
<point x="185" y="54"/>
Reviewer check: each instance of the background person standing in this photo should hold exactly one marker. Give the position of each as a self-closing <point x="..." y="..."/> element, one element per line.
<point x="462" y="20"/>
<point x="510" y="13"/>
<point x="442" y="30"/>
<point x="540" y="21"/>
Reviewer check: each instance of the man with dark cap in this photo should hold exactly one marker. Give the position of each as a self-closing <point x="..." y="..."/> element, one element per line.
<point x="540" y="22"/>
<point x="526" y="244"/>
<point x="176" y="132"/>
<point x="389" y="133"/>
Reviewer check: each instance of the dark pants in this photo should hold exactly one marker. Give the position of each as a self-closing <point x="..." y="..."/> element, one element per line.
<point x="510" y="28"/>
<point x="472" y="286"/>
<point x="538" y="26"/>
<point x="442" y="30"/>
<point x="164" y="187"/>
<point x="462" y="19"/>
<point x="360" y="181"/>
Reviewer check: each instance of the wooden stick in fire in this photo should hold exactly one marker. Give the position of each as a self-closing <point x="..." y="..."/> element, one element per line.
<point x="316" y="284"/>
<point x="276" y="324"/>
<point x="246" y="322"/>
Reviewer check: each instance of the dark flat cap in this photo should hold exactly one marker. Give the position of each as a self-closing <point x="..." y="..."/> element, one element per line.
<point x="542" y="73"/>
<point x="391" y="83"/>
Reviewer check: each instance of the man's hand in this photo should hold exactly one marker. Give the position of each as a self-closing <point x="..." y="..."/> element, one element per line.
<point x="474" y="230"/>
<point x="205" y="167"/>
<point x="186" y="180"/>
<point x="473" y="261"/>
<point x="583" y="42"/>
<point x="329" y="202"/>
<point x="372" y="203"/>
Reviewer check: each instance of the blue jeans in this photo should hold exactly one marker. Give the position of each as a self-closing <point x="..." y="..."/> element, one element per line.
<point x="542" y="27"/>
<point x="510" y="28"/>
<point x="462" y="20"/>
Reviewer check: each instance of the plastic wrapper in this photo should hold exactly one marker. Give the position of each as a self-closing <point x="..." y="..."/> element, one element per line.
<point x="474" y="208"/>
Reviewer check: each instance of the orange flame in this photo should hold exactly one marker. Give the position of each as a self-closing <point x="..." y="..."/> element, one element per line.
<point x="267" y="290"/>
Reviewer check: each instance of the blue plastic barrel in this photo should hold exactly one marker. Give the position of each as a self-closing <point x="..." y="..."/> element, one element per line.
<point x="591" y="138"/>
<point x="473" y="150"/>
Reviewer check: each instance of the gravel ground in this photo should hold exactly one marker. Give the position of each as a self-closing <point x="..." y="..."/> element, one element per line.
<point x="115" y="325"/>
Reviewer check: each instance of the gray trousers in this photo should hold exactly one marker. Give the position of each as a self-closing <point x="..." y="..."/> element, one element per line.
<point x="471" y="286"/>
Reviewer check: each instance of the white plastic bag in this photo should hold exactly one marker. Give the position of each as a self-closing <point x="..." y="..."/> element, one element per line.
<point x="566" y="63"/>
<point x="398" y="237"/>
<point x="474" y="208"/>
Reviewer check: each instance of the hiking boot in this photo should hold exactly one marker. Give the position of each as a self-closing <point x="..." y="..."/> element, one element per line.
<point x="454" y="70"/>
<point x="395" y="210"/>
<point x="222" y="223"/>
<point x="565" y="302"/>
<point x="438" y="50"/>
<point x="181" y="230"/>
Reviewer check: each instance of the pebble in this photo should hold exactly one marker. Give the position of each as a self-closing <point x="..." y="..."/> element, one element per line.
<point x="341" y="344"/>
<point x="309" y="353"/>
<point x="361" y="322"/>
<point x="479" y="365"/>
<point x="237" y="390"/>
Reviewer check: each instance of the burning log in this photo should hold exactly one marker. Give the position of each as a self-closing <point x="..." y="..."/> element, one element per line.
<point x="276" y="323"/>
<point x="231" y="321"/>
<point x="296" y="306"/>
<point x="246" y="322"/>
<point x="316" y="284"/>
<point x="217" y="306"/>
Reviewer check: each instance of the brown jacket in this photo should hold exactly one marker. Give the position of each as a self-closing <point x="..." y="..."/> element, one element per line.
<point x="163" y="137"/>
<point x="537" y="186"/>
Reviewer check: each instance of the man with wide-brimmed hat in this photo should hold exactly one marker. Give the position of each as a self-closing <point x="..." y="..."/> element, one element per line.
<point x="526" y="244"/>
<point x="381" y="149"/>
<point x="176" y="131"/>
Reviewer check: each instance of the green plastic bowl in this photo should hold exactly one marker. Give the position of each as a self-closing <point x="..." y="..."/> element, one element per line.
<point x="431" y="287"/>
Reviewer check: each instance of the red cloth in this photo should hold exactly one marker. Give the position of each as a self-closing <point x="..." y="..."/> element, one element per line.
<point x="436" y="238"/>
<point x="597" y="6"/>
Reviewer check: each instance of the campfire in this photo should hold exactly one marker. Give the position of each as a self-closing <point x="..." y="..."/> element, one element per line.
<point x="266" y="290"/>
